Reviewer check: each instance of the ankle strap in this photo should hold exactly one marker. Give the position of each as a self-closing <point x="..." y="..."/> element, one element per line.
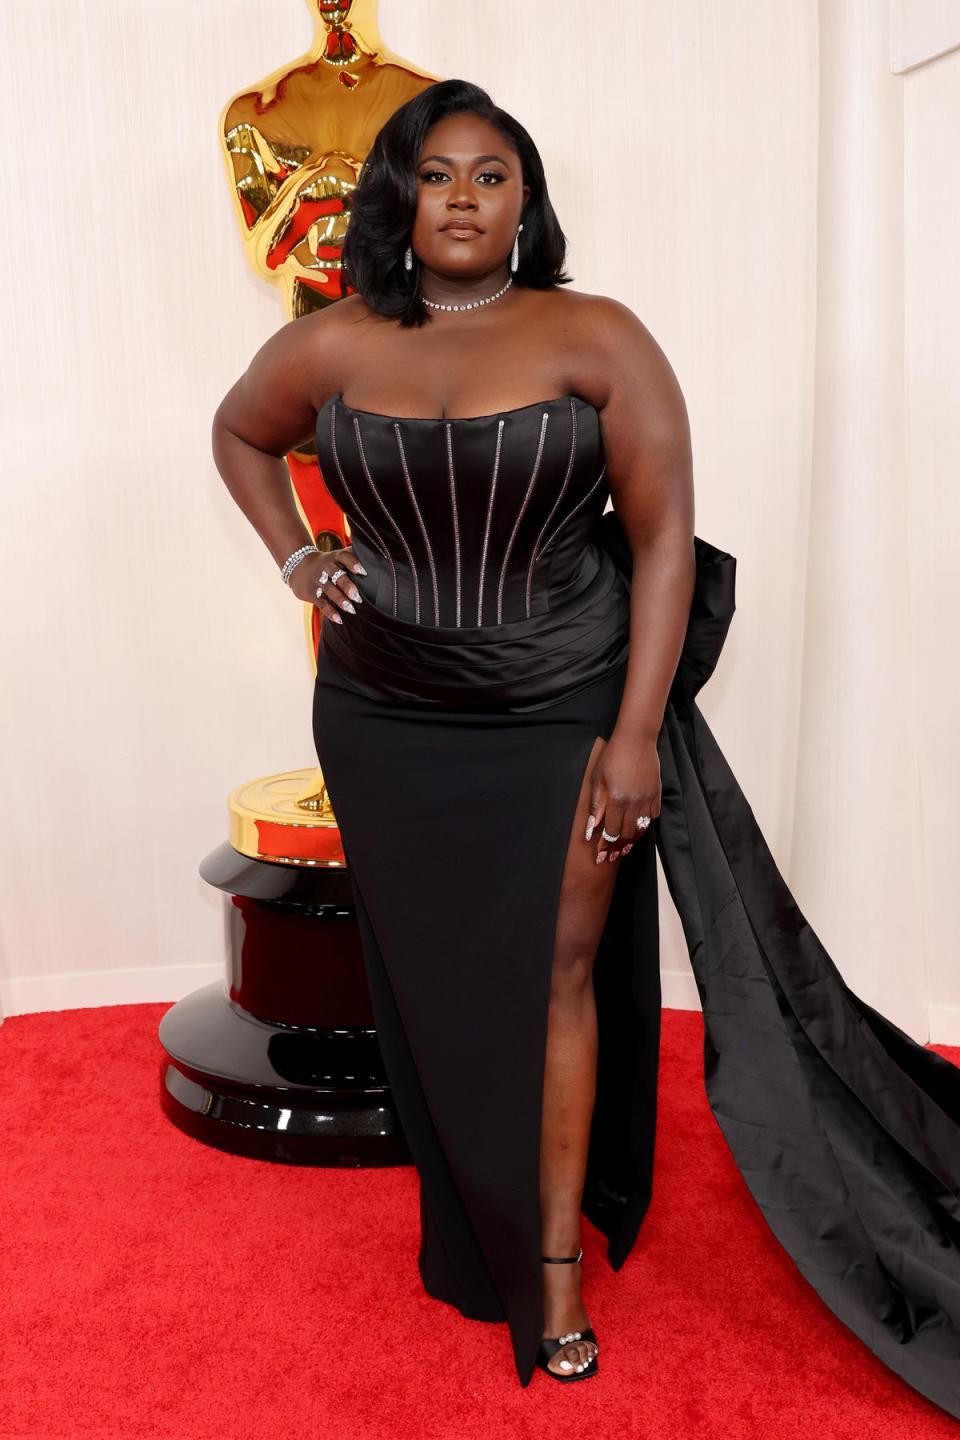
<point x="563" y="1259"/>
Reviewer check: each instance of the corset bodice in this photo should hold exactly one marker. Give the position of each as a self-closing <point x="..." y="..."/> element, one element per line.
<point x="487" y="585"/>
<point x="467" y="522"/>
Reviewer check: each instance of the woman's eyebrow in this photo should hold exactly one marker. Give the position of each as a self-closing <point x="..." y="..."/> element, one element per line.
<point x="477" y="159"/>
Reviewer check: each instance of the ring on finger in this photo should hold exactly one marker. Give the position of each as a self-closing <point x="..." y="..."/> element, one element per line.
<point x="610" y="837"/>
<point x="643" y="821"/>
<point x="336" y="574"/>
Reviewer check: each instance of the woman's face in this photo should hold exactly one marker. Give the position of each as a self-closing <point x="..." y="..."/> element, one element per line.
<point x="467" y="174"/>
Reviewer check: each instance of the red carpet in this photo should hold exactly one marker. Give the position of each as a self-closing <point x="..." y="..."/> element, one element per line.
<point x="154" y="1287"/>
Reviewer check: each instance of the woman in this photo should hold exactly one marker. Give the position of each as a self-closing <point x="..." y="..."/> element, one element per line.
<point x="500" y="677"/>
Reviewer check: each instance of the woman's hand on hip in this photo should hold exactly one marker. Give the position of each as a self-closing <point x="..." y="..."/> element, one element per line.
<point x="324" y="580"/>
<point x="624" y="786"/>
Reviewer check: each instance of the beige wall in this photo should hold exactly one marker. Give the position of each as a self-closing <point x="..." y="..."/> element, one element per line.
<point x="931" y="369"/>
<point x="156" y="658"/>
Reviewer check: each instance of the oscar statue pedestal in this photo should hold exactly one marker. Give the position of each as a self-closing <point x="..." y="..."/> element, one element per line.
<point x="281" y="1060"/>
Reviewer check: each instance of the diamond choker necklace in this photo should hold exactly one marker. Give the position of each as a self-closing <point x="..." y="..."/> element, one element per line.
<point x="471" y="304"/>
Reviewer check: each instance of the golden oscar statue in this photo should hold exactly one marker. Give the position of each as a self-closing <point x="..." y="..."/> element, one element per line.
<point x="283" y="1062"/>
<point x="294" y="144"/>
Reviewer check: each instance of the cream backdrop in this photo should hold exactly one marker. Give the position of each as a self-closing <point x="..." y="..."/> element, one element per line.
<point x="782" y="212"/>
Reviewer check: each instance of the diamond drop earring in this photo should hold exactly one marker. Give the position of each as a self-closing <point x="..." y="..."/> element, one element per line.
<point x="408" y="259"/>
<point x="515" y="253"/>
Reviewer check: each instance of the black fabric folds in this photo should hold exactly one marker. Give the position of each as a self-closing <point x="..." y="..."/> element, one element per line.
<point x="846" y="1130"/>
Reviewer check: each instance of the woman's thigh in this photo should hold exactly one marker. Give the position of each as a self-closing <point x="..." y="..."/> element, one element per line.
<point x="585" y="894"/>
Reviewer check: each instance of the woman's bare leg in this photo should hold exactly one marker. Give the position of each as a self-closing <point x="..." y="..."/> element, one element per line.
<point x="570" y="1076"/>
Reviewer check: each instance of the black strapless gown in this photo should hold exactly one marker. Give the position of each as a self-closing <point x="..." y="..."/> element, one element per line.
<point x="454" y="715"/>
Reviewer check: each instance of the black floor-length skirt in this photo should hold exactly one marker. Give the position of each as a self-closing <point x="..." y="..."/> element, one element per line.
<point x="455" y="824"/>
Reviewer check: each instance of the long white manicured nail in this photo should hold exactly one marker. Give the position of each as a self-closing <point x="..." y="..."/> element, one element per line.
<point x="591" y="822"/>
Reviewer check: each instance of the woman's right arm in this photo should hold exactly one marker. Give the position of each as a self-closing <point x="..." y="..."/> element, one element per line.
<point x="271" y="410"/>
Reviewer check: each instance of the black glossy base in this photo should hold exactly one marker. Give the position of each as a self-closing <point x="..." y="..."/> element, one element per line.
<point x="280" y="1060"/>
<point x="305" y="1097"/>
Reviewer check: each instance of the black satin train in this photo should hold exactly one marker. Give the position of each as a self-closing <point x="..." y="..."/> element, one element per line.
<point x="846" y="1130"/>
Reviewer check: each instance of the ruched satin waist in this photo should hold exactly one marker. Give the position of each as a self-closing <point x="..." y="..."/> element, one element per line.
<point x="522" y="664"/>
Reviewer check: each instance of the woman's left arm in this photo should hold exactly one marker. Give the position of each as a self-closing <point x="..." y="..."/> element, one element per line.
<point x="646" y="438"/>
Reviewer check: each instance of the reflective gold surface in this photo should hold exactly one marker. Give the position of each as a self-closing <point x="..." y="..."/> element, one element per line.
<point x="286" y="818"/>
<point x="294" y="144"/>
<point x="295" y="141"/>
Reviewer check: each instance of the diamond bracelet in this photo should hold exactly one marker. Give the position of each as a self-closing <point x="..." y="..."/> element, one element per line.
<point x="292" y="561"/>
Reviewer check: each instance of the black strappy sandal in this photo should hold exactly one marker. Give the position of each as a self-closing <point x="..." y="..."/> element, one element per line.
<point x="549" y="1346"/>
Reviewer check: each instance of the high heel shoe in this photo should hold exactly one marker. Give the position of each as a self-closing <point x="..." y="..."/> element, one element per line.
<point x="549" y="1346"/>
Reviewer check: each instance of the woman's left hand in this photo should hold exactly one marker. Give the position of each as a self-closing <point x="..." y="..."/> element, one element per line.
<point x="624" y="784"/>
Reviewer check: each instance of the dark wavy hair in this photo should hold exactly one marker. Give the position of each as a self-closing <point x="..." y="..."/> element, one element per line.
<point x="383" y="206"/>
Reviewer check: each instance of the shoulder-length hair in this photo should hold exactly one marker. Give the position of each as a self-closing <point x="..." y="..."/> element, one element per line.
<point x="383" y="206"/>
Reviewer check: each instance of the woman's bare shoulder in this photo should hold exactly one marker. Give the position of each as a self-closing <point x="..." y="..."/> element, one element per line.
<point x="339" y="317"/>
<point x="605" y="317"/>
<point x="316" y="343"/>
<point x="607" y="340"/>
<point x="275" y="401"/>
